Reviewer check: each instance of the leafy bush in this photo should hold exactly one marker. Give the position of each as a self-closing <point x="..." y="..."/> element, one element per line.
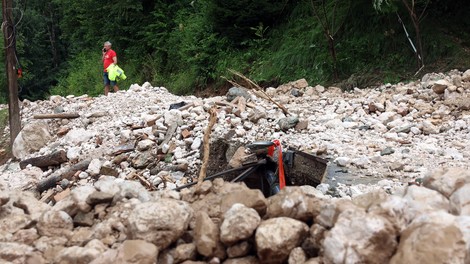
<point x="85" y="76"/>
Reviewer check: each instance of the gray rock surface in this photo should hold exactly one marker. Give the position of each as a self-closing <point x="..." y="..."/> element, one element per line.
<point x="206" y="234"/>
<point x="276" y="237"/>
<point x="239" y="223"/>
<point x="160" y="223"/>
<point x="358" y="237"/>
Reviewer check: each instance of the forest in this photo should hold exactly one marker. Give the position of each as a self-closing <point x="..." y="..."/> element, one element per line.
<point x="188" y="46"/>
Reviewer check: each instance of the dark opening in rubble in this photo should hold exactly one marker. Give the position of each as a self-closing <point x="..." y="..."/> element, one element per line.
<point x="259" y="171"/>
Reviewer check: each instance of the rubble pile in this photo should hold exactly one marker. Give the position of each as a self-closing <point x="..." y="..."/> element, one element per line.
<point x="95" y="183"/>
<point x="119" y="221"/>
<point x="385" y="136"/>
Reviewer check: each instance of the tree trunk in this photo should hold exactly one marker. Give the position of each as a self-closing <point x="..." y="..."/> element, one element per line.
<point x="9" y="36"/>
<point x="331" y="44"/>
<point x="415" y="20"/>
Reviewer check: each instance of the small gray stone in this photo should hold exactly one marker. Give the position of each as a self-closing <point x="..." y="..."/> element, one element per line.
<point x="342" y="161"/>
<point x="59" y="109"/>
<point x="99" y="197"/>
<point x="145" y="144"/>
<point x="295" y="92"/>
<point x="323" y="188"/>
<point x="387" y="151"/>
<point x="440" y="86"/>
<point x="196" y="143"/>
<point x="64" y="183"/>
<point x="73" y="153"/>
<point x="288" y="122"/>
<point x="94" y="167"/>
<point x="234" y="92"/>
<point x="142" y="160"/>
<point x="83" y="219"/>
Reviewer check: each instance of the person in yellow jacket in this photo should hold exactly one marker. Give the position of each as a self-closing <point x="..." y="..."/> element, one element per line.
<point x="109" y="58"/>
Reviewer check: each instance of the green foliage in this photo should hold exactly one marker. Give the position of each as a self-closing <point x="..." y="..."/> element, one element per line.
<point x="188" y="45"/>
<point x="86" y="76"/>
<point x="4" y="138"/>
<point x="235" y="18"/>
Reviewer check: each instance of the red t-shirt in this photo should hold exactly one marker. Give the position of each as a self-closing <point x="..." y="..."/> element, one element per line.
<point x="108" y="58"/>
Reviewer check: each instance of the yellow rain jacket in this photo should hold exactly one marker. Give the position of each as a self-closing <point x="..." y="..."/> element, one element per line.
<point x="115" y="73"/>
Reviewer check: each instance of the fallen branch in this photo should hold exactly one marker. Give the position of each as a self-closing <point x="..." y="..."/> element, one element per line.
<point x="56" y="158"/>
<point x="142" y="180"/>
<point x="186" y="107"/>
<point x="254" y="86"/>
<point x="224" y="103"/>
<point x="60" y="115"/>
<point x="52" y="180"/>
<point x="207" y="137"/>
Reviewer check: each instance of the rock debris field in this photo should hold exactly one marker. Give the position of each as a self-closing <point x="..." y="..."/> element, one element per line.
<point x="398" y="192"/>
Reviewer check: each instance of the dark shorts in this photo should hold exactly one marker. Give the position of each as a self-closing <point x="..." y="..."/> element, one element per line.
<point x="107" y="81"/>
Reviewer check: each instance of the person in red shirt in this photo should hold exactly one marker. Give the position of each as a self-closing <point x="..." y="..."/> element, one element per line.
<point x="109" y="57"/>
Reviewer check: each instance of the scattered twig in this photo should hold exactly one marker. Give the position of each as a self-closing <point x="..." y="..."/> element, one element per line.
<point x="145" y="182"/>
<point x="207" y="136"/>
<point x="254" y="86"/>
<point x="142" y="180"/>
<point x="47" y="196"/>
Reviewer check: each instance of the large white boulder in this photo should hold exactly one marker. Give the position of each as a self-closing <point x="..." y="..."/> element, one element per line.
<point x="31" y="138"/>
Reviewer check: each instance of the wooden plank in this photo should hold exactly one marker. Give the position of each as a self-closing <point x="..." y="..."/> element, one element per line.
<point x="59" y="115"/>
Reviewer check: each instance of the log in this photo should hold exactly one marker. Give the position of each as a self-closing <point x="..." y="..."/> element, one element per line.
<point x="56" y="158"/>
<point x="52" y="180"/>
<point x="60" y="115"/>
